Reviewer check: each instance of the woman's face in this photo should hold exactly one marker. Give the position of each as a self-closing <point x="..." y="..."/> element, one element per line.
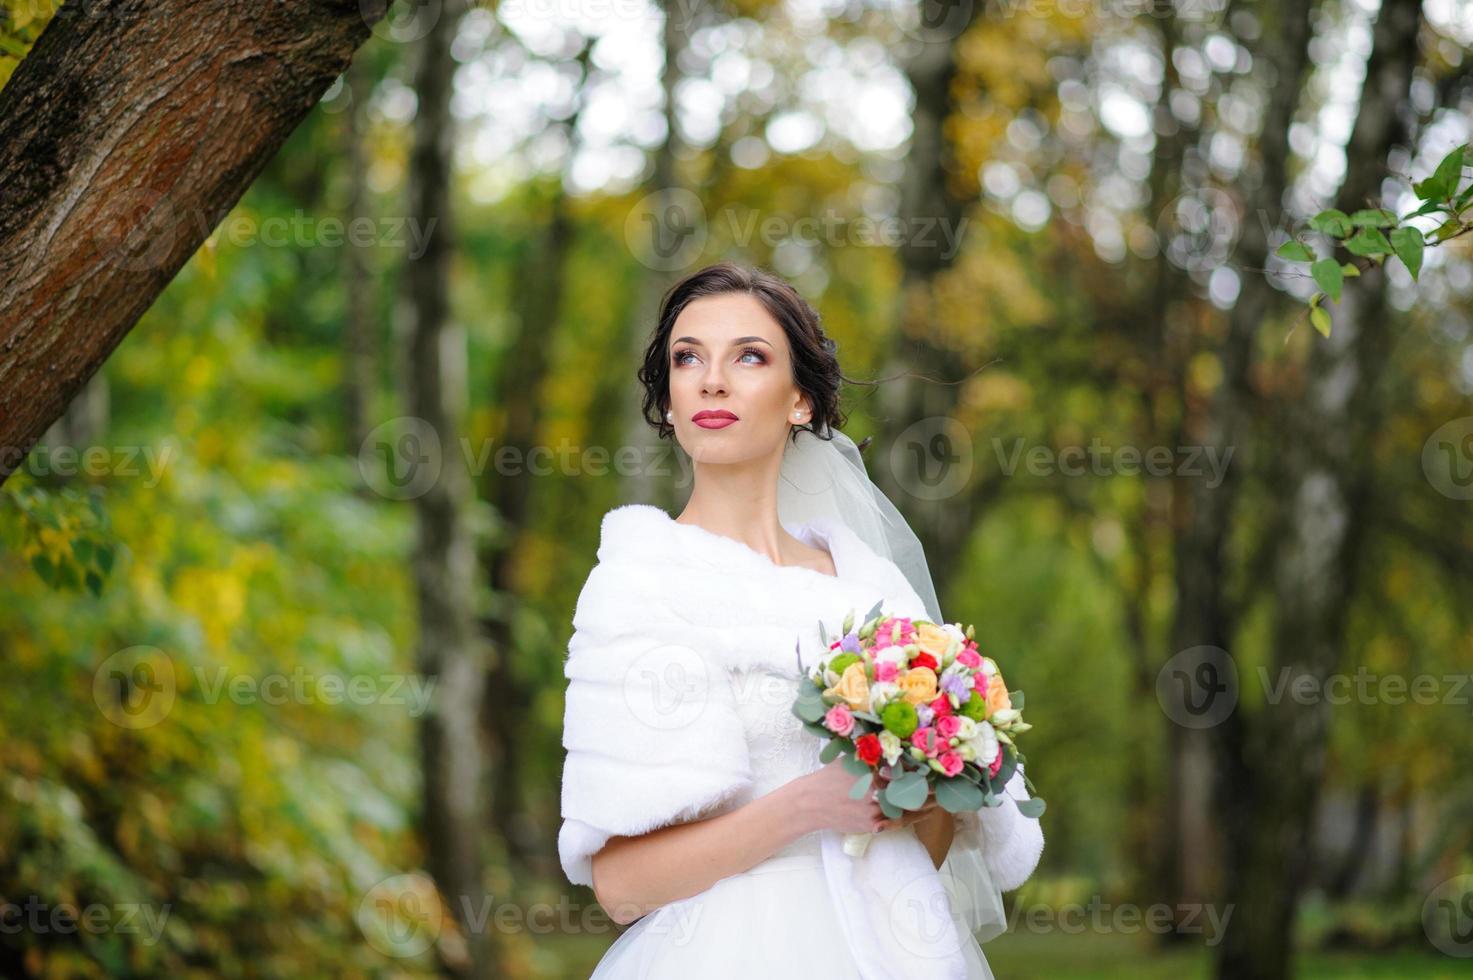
<point x="729" y="357"/>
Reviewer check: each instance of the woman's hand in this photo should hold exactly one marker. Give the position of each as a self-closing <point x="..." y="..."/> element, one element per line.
<point x="824" y="797"/>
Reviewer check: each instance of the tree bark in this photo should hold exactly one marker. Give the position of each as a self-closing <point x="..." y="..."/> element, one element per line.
<point x="130" y="129"/>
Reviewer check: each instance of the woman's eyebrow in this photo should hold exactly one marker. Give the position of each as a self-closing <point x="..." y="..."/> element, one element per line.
<point x="739" y="340"/>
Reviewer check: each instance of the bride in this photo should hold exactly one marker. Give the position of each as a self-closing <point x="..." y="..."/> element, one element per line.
<point x="693" y="802"/>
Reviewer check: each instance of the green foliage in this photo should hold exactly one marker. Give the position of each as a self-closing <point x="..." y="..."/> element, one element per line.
<point x="1375" y="234"/>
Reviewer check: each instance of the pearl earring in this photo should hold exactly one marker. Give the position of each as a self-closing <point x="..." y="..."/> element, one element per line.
<point x="669" y="415"/>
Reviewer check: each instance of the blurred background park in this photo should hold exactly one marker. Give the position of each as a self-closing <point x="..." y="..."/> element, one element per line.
<point x="285" y="592"/>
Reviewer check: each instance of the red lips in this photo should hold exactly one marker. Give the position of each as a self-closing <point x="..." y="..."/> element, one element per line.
<point x="718" y="418"/>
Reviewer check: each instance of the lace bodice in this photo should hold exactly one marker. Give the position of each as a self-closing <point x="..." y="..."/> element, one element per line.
<point x="778" y="747"/>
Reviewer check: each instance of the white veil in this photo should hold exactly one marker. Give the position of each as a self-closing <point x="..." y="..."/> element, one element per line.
<point x="823" y="477"/>
<point x="827" y="478"/>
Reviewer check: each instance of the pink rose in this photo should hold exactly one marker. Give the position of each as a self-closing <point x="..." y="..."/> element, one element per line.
<point x="839" y="720"/>
<point x="947" y="726"/>
<point x="969" y="658"/>
<point x="951" y="763"/>
<point x="996" y="763"/>
<point x="886" y="670"/>
<point x="925" y="740"/>
<point x="979" y="683"/>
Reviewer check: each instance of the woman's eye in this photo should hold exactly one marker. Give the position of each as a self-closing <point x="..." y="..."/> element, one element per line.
<point x="679" y="356"/>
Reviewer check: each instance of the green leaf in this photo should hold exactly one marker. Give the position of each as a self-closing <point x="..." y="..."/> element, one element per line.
<point x="45" y="568"/>
<point x="1320" y="319"/>
<point x="1426" y="208"/>
<point x="1295" y="251"/>
<point x="1031" y="807"/>
<point x="1350" y="270"/>
<point x="94" y="583"/>
<point x="890" y="810"/>
<point x="861" y="787"/>
<point x="105" y="558"/>
<point x="1016" y="697"/>
<point x="1374" y="218"/>
<point x="810" y="705"/>
<point x="958" y="795"/>
<point x="1328" y="276"/>
<point x="909" y="791"/>
<point x="1449" y="172"/>
<point x="1369" y="241"/>
<point x="831" y="751"/>
<point x="1332" y="222"/>
<point x="857" y="765"/>
<point x="1408" y="244"/>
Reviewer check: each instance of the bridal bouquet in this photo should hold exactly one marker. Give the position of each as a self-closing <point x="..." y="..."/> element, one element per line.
<point x="913" y="705"/>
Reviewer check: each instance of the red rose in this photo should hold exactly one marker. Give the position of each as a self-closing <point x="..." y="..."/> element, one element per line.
<point x="942" y="706"/>
<point x="923" y="660"/>
<point x="868" y="748"/>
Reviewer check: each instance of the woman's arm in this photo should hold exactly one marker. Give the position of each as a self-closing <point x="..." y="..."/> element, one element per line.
<point x="635" y="875"/>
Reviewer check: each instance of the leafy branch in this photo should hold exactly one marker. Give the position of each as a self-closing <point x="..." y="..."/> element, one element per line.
<point x="1374" y="234"/>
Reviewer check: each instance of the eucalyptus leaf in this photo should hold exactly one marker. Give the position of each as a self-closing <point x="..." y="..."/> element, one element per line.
<point x="957" y="795"/>
<point x="1320" y="319"/>
<point x="908" y="792"/>
<point x="1031" y="807"/>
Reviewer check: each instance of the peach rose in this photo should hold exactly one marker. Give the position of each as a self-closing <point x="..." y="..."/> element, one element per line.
<point x="997" y="695"/>
<point x="932" y="639"/>
<point x="853" y="687"/>
<point x="918" y="685"/>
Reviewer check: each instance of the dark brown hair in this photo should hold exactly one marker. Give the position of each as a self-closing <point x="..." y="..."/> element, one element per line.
<point x="815" y="366"/>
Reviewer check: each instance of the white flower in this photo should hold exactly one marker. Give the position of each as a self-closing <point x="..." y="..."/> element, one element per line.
<point x="894" y="654"/>
<point x="882" y="693"/>
<point x="984" y="743"/>
<point x="967" y="729"/>
<point x="891" y="746"/>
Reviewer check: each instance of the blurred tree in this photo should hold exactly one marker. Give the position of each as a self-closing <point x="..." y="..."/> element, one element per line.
<point x="450" y="651"/>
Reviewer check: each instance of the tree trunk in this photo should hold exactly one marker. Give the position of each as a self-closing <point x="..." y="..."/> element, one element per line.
<point x="922" y="402"/>
<point x="1272" y="787"/>
<point x="518" y="385"/>
<point x="453" y="816"/>
<point x="126" y="134"/>
<point x="359" y="323"/>
<point x="654" y="478"/>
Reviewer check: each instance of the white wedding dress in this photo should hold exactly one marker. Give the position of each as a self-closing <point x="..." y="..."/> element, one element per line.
<point x="774" y="921"/>
<point x="682" y="675"/>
